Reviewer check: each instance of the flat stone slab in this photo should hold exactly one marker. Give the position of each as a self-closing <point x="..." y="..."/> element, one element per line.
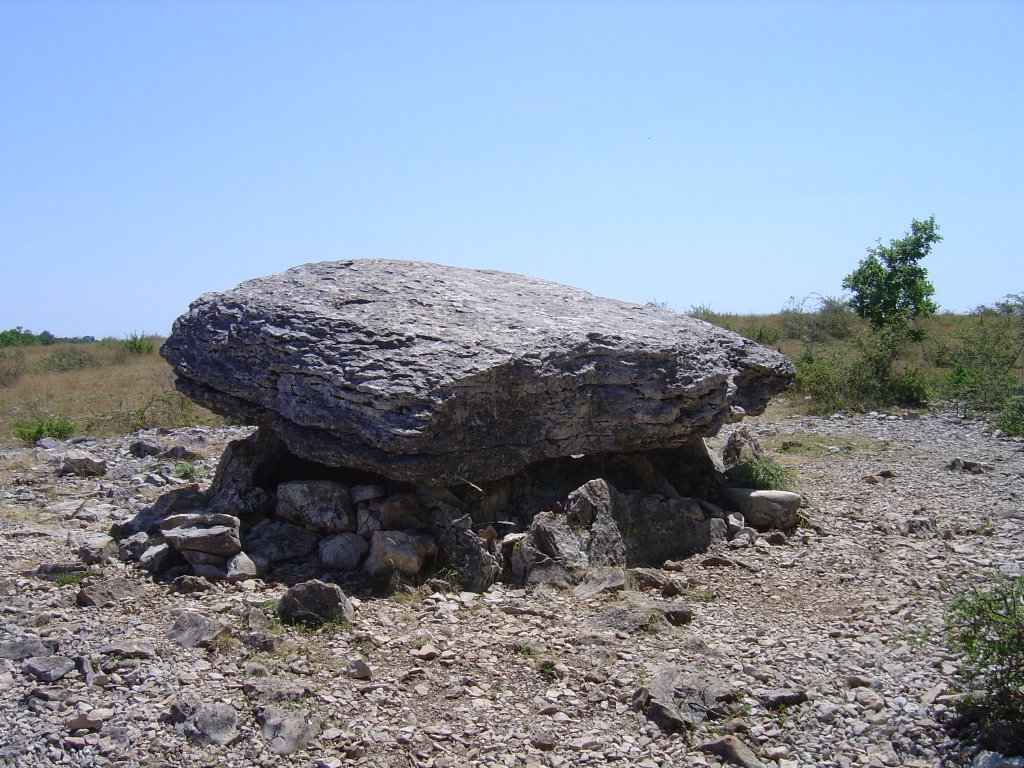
<point x="424" y="372"/>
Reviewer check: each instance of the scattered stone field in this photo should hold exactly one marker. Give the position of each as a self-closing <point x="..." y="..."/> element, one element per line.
<point x="820" y="647"/>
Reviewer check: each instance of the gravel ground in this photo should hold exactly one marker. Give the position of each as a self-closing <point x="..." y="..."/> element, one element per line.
<point x="829" y="639"/>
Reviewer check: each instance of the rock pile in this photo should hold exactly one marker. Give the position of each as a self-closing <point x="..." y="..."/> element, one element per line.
<point x="413" y="415"/>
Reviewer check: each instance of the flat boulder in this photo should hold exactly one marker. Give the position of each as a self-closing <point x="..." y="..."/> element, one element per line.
<point x="427" y="373"/>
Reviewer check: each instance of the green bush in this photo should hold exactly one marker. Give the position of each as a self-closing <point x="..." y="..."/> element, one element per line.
<point x="37" y="427"/>
<point x="761" y="474"/>
<point x="864" y="378"/>
<point x="12" y="366"/>
<point x="985" y="358"/>
<point x="186" y="470"/>
<point x="1011" y="417"/>
<point x="136" y="344"/>
<point x="986" y="624"/>
<point x="70" y="359"/>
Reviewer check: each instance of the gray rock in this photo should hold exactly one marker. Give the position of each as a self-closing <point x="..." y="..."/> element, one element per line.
<point x="473" y="557"/>
<point x="783" y="697"/>
<point x="741" y="449"/>
<point x="241" y="567"/>
<point x="593" y="506"/>
<point x="554" y="538"/>
<point x="419" y="371"/>
<point x="204" y="723"/>
<point x="82" y="464"/>
<point x="314" y="602"/>
<point x="234" y="490"/>
<point x="192" y="629"/>
<point x="677" y="700"/>
<point x="159" y="558"/>
<point x="23" y="648"/>
<point x="287" y="731"/>
<point x="143" y="448"/>
<point x="395" y="551"/>
<point x="132" y="548"/>
<point x="766" y="509"/>
<point x="271" y="541"/>
<point x="601" y="579"/>
<point x="318" y="504"/>
<point x="48" y="669"/>
<point x="96" y="548"/>
<point x="129" y="649"/>
<point x="180" y="453"/>
<point x="343" y="552"/>
<point x="731" y="749"/>
<point x="108" y="591"/>
<point x="656" y="529"/>
<point x="214" y="534"/>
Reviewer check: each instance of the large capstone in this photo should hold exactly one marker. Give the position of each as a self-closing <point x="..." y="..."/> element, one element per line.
<point x="432" y="374"/>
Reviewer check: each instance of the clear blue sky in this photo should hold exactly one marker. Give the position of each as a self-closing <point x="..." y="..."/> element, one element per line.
<point x="731" y="154"/>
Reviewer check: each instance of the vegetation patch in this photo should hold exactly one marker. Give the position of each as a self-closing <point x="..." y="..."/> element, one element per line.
<point x="34" y="428"/>
<point x="985" y="623"/>
<point x="762" y="473"/>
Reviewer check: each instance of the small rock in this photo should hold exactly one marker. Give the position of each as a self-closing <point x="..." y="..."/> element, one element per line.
<point x="287" y="731"/>
<point x="192" y="629"/>
<point x="48" y="669"/>
<point x="315" y="602"/>
<point x="359" y="670"/>
<point x="732" y="750"/>
<point x="82" y="464"/>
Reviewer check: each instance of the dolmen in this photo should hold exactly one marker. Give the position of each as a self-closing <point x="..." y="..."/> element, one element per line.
<point x="415" y="417"/>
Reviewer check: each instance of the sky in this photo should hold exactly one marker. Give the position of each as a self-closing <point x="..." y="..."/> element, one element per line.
<point x="730" y="155"/>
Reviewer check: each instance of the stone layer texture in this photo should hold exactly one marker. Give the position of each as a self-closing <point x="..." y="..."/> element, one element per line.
<point x="423" y="372"/>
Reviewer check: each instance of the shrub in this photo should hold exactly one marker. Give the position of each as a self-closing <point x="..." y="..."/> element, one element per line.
<point x="985" y="359"/>
<point x="761" y="474"/>
<point x="834" y="319"/>
<point x="12" y="366"/>
<point x="70" y="359"/>
<point x="1011" y="417"/>
<point x="186" y="470"/>
<point x="860" y="379"/>
<point x="986" y="624"/>
<point x="37" y="427"/>
<point x="136" y="344"/>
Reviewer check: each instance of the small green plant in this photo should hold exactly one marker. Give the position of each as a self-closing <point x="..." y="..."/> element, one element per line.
<point x="35" y="428"/>
<point x="546" y="668"/>
<point x="186" y="470"/>
<point x="69" y="577"/>
<point x="703" y="596"/>
<point x="762" y="473"/>
<point x="1011" y="417"/>
<point x="985" y="623"/>
<point x="136" y="344"/>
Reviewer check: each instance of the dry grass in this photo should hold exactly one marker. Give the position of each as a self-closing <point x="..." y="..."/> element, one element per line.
<point x="116" y="394"/>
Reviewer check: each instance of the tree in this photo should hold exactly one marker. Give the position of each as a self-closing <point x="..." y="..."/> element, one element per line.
<point x="890" y="288"/>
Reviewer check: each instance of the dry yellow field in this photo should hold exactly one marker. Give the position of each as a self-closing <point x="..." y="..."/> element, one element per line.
<point x="99" y="387"/>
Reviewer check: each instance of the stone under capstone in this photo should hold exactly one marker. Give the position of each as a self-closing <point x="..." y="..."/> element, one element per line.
<point x="426" y="373"/>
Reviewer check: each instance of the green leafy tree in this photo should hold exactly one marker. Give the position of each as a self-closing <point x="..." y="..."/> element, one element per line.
<point x="890" y="287"/>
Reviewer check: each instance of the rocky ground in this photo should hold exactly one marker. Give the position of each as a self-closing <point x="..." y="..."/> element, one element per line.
<point x="828" y="640"/>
